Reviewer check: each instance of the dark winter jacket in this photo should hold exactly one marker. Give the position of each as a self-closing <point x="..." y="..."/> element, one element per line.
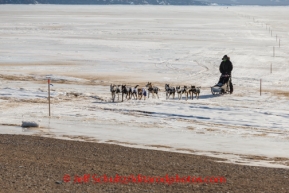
<point x="226" y="67"/>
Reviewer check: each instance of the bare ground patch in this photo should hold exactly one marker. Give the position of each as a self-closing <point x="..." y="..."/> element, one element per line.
<point x="56" y="63"/>
<point x="7" y="124"/>
<point x="254" y="157"/>
<point x="280" y="93"/>
<point x="80" y="137"/>
<point x="190" y="128"/>
<point x="99" y="80"/>
<point x="184" y="149"/>
<point x="277" y="160"/>
<point x="17" y="78"/>
<point x="260" y="135"/>
<point x="159" y="146"/>
<point x="120" y="142"/>
<point x="211" y="129"/>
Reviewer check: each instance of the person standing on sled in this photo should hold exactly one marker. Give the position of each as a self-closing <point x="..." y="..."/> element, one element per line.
<point x="226" y="68"/>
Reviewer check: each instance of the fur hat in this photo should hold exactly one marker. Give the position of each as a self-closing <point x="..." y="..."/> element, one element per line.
<point x="225" y="57"/>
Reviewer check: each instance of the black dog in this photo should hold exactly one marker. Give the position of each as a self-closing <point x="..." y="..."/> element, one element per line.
<point x="170" y="91"/>
<point x="194" y="90"/>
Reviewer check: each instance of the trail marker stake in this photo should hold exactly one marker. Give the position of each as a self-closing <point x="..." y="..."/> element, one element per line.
<point x="49" y="95"/>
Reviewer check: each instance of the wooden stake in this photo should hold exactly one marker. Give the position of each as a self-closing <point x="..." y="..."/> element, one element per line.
<point x="49" y="96"/>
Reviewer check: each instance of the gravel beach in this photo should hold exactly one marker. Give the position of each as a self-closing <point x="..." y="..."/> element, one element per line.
<point x="39" y="164"/>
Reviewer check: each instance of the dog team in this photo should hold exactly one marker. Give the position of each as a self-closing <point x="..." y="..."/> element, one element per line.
<point x="139" y="93"/>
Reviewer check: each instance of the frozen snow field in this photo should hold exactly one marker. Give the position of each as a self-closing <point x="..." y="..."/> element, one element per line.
<point x="84" y="49"/>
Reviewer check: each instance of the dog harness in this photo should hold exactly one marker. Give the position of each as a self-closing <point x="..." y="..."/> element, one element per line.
<point x="144" y="92"/>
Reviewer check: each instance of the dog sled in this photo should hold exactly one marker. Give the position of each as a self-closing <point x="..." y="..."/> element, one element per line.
<point x="223" y="87"/>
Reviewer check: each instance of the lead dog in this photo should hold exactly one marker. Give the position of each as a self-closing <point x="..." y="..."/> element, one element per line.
<point x="152" y="89"/>
<point x="113" y="90"/>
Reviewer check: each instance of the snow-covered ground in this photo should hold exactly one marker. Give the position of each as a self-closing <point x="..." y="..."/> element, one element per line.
<point x="84" y="49"/>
